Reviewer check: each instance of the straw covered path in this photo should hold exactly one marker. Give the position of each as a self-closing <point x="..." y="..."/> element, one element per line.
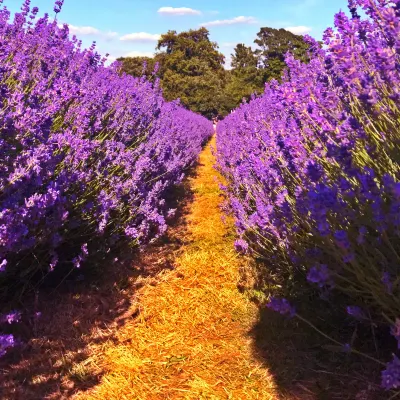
<point x="190" y="339"/>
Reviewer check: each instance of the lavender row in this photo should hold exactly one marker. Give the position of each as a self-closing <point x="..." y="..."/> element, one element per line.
<point x="87" y="153"/>
<point x="313" y="168"/>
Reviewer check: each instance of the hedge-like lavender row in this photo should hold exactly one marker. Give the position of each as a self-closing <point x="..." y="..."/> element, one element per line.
<point x="86" y="153"/>
<point x="313" y="167"/>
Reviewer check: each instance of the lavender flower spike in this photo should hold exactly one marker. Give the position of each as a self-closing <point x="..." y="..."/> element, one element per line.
<point x="281" y="306"/>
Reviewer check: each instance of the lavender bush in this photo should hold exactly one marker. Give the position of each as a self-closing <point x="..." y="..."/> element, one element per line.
<point x="313" y="167"/>
<point x="86" y="153"/>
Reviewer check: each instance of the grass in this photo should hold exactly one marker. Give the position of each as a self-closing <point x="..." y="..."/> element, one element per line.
<point x="59" y="350"/>
<point x="190" y="339"/>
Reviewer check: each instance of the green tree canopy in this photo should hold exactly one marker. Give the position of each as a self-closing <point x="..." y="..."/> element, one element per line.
<point x="245" y="78"/>
<point x="191" y="45"/>
<point x="191" y="67"/>
<point x="244" y="57"/>
<point x="273" y="46"/>
<point x="138" y="66"/>
<point x="192" y="70"/>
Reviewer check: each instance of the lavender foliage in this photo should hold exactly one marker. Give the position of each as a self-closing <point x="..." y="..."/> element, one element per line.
<point x="313" y="165"/>
<point x="87" y="153"/>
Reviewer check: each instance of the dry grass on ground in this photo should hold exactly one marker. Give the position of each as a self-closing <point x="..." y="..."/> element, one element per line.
<point x="190" y="339"/>
<point x="58" y="352"/>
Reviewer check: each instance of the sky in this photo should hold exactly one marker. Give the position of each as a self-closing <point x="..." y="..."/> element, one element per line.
<point x="126" y="28"/>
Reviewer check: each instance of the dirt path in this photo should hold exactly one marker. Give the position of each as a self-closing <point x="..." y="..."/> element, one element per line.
<point x="190" y="338"/>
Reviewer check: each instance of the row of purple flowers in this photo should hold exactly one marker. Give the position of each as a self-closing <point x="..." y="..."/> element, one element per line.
<point x="313" y="168"/>
<point x="87" y="153"/>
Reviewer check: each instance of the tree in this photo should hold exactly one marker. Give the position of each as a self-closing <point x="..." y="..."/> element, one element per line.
<point x="244" y="57"/>
<point x="193" y="44"/>
<point x="245" y="78"/>
<point x="192" y="70"/>
<point x="252" y="68"/>
<point x="245" y="66"/>
<point x="274" y="44"/>
<point x="138" y="66"/>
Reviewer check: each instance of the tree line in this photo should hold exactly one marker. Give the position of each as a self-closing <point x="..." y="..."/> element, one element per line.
<point x="191" y="68"/>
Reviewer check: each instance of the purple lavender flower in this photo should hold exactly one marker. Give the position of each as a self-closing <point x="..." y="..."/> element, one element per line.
<point x="319" y="274"/>
<point x="395" y="331"/>
<point x="241" y="246"/>
<point x="342" y="239"/>
<point x="315" y="171"/>
<point x="316" y="157"/>
<point x="132" y="232"/>
<point x="323" y="227"/>
<point x="281" y="306"/>
<point x="3" y="265"/>
<point x="346" y="348"/>
<point x="396" y="189"/>
<point x="84" y="249"/>
<point x="11" y="317"/>
<point x="391" y="375"/>
<point x="356" y="312"/>
<point x="86" y="151"/>
<point x="349" y="257"/>
<point x="171" y="213"/>
<point x="6" y="342"/>
<point x="53" y="261"/>
<point x="58" y="6"/>
<point x="76" y="261"/>
<point x="361" y="234"/>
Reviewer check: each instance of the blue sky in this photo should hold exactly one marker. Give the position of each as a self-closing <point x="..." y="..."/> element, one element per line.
<point x="131" y="27"/>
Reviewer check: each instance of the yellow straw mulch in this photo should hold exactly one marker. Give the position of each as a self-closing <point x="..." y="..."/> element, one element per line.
<point x="190" y="338"/>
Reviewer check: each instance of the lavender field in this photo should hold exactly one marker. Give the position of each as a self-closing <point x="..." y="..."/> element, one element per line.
<point x="313" y="172"/>
<point x="87" y="154"/>
<point x="309" y="172"/>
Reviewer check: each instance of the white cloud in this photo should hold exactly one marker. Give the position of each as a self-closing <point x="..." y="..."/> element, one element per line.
<point x="299" y="30"/>
<point x="110" y="34"/>
<point x="89" y="31"/>
<point x="178" y="11"/>
<point x="83" y="30"/>
<point x="228" y="44"/>
<point x="228" y="62"/>
<point x="142" y="37"/>
<point x="139" y="54"/>
<point x="233" y="21"/>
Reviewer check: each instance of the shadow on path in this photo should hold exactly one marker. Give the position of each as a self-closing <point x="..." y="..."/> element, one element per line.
<point x="81" y="315"/>
<point x="306" y="366"/>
